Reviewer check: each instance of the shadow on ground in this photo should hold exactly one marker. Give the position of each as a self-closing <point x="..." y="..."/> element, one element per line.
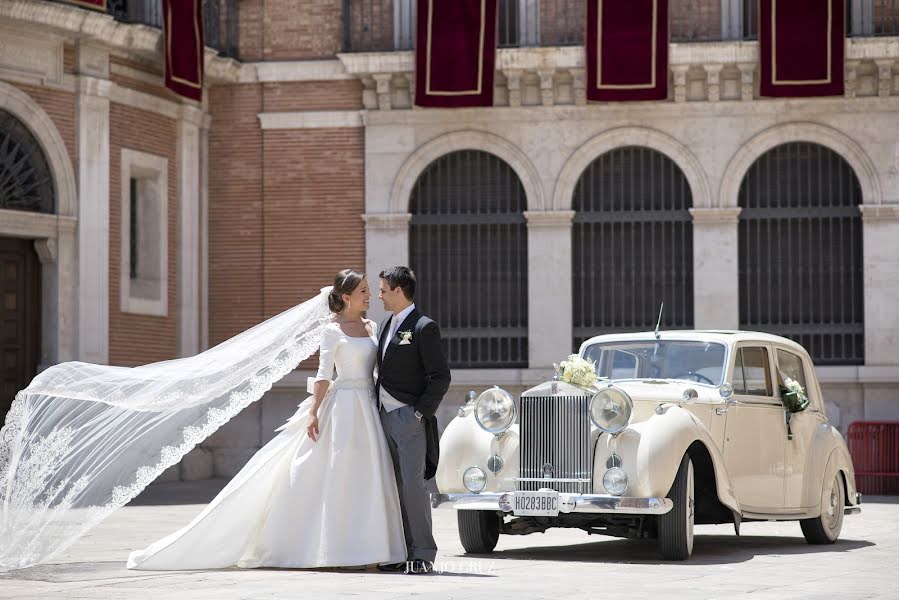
<point x="707" y="550"/>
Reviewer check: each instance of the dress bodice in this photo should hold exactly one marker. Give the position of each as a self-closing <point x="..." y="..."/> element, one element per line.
<point x="353" y="358"/>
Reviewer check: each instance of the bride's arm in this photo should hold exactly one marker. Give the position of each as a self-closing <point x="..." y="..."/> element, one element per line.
<point x="322" y="378"/>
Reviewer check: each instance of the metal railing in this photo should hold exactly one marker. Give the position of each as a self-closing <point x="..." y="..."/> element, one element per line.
<point x="388" y="25"/>
<point x="221" y="19"/>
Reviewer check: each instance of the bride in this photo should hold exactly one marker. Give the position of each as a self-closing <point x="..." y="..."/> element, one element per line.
<point x="320" y="494"/>
<point x="83" y="440"/>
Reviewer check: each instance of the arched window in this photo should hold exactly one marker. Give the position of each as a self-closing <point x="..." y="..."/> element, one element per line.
<point x="801" y="251"/>
<point x="632" y="244"/>
<point x="26" y="182"/>
<point x="468" y="248"/>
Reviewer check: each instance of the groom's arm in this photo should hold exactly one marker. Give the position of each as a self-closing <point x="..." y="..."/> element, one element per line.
<point x="437" y="373"/>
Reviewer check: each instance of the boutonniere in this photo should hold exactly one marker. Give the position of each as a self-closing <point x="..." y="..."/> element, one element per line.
<point x="406" y="338"/>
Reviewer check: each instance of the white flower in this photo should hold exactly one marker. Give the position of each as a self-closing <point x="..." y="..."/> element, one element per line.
<point x="578" y="371"/>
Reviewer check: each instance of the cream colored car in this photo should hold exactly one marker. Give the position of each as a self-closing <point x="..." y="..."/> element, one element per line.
<point x="681" y="427"/>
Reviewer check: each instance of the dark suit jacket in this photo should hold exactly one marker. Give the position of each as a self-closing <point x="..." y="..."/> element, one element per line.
<point x="416" y="374"/>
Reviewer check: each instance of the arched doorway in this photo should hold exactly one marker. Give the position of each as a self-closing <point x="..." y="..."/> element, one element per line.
<point x="800" y="251"/>
<point x="632" y="244"/>
<point x="26" y="184"/>
<point x="468" y="248"/>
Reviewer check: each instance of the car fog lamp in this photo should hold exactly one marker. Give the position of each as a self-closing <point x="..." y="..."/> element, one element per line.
<point x="495" y="463"/>
<point x="495" y="410"/>
<point x="474" y="479"/>
<point x="615" y="481"/>
<point x="611" y="409"/>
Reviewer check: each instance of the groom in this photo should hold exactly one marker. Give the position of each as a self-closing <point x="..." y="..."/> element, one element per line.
<point x="412" y="378"/>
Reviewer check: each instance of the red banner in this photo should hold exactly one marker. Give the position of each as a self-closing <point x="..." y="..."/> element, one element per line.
<point x="801" y="47"/>
<point x="455" y="53"/>
<point x="95" y="4"/>
<point x="183" y="40"/>
<point x="627" y="50"/>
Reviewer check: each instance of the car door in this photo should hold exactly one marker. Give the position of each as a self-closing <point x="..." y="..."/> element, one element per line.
<point x="755" y="432"/>
<point x="803" y="425"/>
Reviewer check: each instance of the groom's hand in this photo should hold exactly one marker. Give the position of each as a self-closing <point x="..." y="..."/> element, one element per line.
<point x="312" y="428"/>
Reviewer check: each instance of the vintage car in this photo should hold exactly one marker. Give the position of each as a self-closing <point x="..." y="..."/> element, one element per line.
<point x="679" y="428"/>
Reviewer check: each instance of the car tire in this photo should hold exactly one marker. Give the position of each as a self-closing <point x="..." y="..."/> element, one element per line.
<point x="478" y="530"/>
<point x="676" y="526"/>
<point x="825" y="529"/>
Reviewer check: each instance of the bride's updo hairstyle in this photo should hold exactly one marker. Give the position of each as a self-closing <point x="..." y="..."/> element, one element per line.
<point x="345" y="282"/>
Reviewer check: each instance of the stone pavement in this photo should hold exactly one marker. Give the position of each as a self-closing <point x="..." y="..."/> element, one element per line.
<point x="770" y="560"/>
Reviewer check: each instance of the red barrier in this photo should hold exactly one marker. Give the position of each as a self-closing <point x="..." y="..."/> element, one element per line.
<point x="874" y="446"/>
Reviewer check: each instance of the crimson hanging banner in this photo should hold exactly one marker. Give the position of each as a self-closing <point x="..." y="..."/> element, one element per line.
<point x="455" y="53"/>
<point x="95" y="4"/>
<point x="801" y="47"/>
<point x="183" y="40"/>
<point x="627" y="50"/>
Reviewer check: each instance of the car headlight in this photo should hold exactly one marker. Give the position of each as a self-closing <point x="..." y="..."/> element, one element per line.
<point x="474" y="479"/>
<point x="615" y="481"/>
<point x="495" y="410"/>
<point x="611" y="409"/>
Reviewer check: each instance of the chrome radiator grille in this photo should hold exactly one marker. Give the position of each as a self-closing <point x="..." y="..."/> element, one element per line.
<point x="555" y="444"/>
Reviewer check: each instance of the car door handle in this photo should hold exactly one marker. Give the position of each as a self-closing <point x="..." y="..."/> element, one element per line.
<point x="720" y="411"/>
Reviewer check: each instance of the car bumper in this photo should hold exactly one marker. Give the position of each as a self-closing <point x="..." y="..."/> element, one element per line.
<point x="568" y="503"/>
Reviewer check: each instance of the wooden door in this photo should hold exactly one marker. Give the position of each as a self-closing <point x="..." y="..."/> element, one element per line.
<point x="20" y="307"/>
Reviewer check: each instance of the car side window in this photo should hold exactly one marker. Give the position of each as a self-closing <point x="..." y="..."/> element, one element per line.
<point x="751" y="374"/>
<point x="790" y="365"/>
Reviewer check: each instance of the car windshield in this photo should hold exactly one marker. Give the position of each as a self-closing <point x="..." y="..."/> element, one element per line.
<point x="695" y="361"/>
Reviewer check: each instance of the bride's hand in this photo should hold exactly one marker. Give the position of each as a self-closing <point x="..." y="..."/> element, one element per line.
<point x="312" y="428"/>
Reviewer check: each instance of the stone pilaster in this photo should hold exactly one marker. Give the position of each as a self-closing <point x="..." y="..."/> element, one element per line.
<point x="880" y="230"/>
<point x="716" y="289"/>
<point x="386" y="245"/>
<point x="189" y="256"/>
<point x="549" y="287"/>
<point x="92" y="134"/>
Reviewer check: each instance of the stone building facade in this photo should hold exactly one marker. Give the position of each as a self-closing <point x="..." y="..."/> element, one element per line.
<point x="306" y="156"/>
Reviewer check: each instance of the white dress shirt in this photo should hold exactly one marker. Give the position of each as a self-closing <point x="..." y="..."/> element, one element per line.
<point x="390" y="403"/>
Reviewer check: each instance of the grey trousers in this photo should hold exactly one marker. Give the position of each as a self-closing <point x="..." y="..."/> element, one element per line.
<point x="406" y="440"/>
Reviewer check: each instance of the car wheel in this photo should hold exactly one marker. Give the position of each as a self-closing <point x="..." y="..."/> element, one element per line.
<point x="825" y="529"/>
<point x="676" y="526"/>
<point x="478" y="530"/>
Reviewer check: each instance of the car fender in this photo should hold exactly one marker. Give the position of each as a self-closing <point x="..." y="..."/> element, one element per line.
<point x="829" y="444"/>
<point x="465" y="444"/>
<point x="651" y="452"/>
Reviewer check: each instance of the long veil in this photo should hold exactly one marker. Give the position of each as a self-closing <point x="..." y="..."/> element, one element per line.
<point x="83" y="440"/>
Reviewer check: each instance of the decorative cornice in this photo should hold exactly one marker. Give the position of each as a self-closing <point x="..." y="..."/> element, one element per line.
<point x="549" y="218"/>
<point x="880" y="212"/>
<point x="143" y="101"/>
<point x="302" y="70"/>
<point x="715" y="215"/>
<point x="313" y="119"/>
<point x="386" y="221"/>
<point x="37" y="225"/>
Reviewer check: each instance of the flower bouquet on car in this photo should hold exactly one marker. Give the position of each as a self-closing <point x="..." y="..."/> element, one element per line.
<point x="793" y="396"/>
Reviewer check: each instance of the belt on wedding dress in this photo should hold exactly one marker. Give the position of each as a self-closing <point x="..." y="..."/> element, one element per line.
<point x="366" y="383"/>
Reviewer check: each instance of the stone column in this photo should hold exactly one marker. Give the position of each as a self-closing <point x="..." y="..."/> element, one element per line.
<point x="92" y="134"/>
<point x="386" y="245"/>
<point x="716" y="287"/>
<point x="550" y="330"/>
<point x="188" y="261"/>
<point x="204" y="232"/>
<point x="880" y="230"/>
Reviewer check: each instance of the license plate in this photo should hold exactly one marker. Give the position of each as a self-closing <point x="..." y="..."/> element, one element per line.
<point x="536" y="504"/>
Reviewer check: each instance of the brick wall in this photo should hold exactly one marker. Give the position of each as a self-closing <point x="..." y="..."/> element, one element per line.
<point x="60" y="105"/>
<point x="235" y="211"/>
<point x="285" y="205"/>
<point x="289" y="29"/>
<point x="138" y="339"/>
<point x="319" y="95"/>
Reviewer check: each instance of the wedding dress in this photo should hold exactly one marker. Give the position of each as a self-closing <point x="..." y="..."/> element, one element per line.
<point x="302" y="503"/>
